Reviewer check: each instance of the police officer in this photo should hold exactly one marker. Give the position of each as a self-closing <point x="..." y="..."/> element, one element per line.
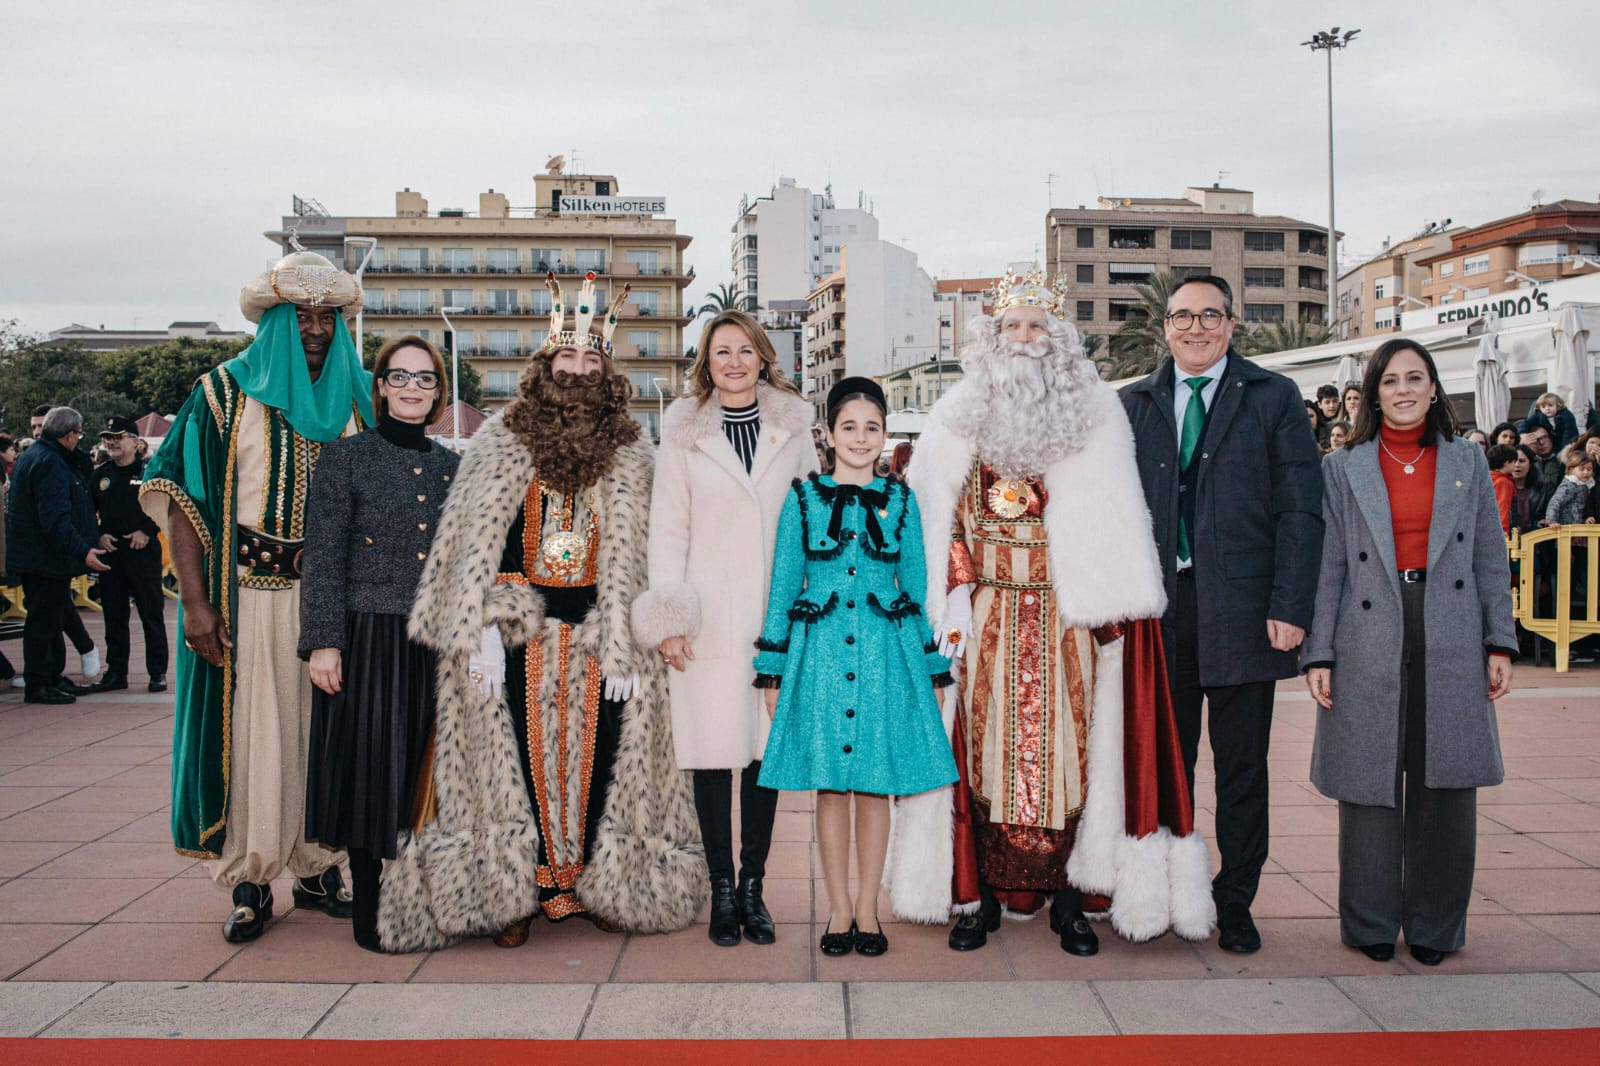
<point x="133" y="552"/>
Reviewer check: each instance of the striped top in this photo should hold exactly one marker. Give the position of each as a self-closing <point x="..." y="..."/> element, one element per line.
<point x="742" y="427"/>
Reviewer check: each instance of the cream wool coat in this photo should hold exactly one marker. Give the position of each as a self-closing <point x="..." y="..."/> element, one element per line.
<point x="712" y="528"/>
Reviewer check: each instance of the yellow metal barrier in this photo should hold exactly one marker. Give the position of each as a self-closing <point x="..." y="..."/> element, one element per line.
<point x="80" y="593"/>
<point x="13" y="608"/>
<point x="1562" y="629"/>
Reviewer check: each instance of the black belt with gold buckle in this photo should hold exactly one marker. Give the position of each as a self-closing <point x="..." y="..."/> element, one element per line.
<point x="268" y="554"/>
<point x="1411" y="577"/>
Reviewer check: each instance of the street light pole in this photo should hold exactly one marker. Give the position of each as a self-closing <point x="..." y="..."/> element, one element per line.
<point x="455" y="377"/>
<point x="661" y="404"/>
<point x="1328" y="41"/>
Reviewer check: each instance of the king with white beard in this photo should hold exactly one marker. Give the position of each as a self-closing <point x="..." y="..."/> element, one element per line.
<point x="1072" y="779"/>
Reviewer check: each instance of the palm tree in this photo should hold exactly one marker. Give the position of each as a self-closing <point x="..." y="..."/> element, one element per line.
<point x="1282" y="336"/>
<point x="1140" y="342"/>
<point x="719" y="301"/>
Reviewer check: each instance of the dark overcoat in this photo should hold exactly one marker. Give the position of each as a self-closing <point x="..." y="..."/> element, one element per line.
<point x="51" y="524"/>
<point x="1257" y="514"/>
<point x="1358" y="629"/>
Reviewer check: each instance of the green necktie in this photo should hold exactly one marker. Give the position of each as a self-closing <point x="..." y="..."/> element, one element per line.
<point x="1194" y="420"/>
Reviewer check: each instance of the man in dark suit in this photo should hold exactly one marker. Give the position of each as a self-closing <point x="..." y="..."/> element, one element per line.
<point x="1232" y="477"/>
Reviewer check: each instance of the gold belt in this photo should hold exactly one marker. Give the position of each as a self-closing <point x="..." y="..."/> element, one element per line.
<point x="994" y="582"/>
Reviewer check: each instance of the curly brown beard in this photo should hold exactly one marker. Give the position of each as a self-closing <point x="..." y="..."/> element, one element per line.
<point x="572" y="423"/>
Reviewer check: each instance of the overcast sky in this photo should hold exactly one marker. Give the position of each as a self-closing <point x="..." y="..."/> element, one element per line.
<point x="148" y="145"/>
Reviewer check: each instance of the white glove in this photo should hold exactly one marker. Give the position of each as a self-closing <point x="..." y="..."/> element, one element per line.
<point x="621" y="689"/>
<point x="487" y="666"/>
<point x="958" y="621"/>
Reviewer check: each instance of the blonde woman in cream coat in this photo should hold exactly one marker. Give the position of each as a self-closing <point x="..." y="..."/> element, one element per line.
<point x="729" y="452"/>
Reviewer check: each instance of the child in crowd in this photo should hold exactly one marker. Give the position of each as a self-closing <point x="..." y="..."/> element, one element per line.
<point x="848" y="662"/>
<point x="1553" y="415"/>
<point x="1502" y="457"/>
<point x="1566" y="506"/>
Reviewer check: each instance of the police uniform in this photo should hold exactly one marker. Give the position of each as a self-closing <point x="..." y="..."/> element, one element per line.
<point x="134" y="573"/>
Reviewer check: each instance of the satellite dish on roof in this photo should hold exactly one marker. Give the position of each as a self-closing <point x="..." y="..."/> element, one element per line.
<point x="555" y="164"/>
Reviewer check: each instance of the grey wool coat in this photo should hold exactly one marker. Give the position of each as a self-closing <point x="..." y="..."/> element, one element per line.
<point x="1357" y="628"/>
<point x="472" y="870"/>
<point x="371" y="516"/>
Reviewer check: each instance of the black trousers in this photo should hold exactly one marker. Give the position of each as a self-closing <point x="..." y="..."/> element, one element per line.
<point x="758" y="807"/>
<point x="134" y="575"/>
<point x="1241" y="728"/>
<point x="73" y="628"/>
<point x="49" y="603"/>
<point x="1409" y="867"/>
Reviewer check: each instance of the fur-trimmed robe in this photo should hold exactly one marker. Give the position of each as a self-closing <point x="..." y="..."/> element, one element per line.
<point x="1104" y="569"/>
<point x="471" y="871"/>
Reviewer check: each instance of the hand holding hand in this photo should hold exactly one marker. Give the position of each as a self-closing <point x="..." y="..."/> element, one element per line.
<point x="487" y="666"/>
<point x="1283" y="636"/>
<point x="957" y="628"/>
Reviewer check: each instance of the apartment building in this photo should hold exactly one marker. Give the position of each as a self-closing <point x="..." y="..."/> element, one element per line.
<point x="956" y="302"/>
<point x="1277" y="266"/>
<point x="786" y="242"/>
<point x="475" y="280"/>
<point x="1374" y="293"/>
<point x="1547" y="242"/>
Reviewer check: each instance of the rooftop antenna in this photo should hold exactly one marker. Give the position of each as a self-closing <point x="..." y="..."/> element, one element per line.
<point x="1050" y="183"/>
<point x="1222" y="176"/>
<point x="1538" y="197"/>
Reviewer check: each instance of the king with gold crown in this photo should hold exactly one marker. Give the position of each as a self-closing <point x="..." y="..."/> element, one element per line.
<point x="1045" y="589"/>
<point x="554" y="793"/>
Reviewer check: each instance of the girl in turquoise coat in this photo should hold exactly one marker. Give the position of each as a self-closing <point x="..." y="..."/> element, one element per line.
<point x="848" y="661"/>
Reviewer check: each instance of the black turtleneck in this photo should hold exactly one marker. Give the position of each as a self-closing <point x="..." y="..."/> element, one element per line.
<point x="412" y="435"/>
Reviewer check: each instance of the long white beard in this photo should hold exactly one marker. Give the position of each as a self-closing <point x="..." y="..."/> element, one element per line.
<point x="1026" y="406"/>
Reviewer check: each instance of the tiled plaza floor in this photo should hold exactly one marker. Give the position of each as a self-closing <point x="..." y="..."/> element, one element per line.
<point x="105" y="931"/>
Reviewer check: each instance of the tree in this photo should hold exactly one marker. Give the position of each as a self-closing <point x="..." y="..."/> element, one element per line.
<point x="471" y="387"/>
<point x="1092" y="343"/>
<point x="1140" y="343"/>
<point x="721" y="300"/>
<point x="1282" y="336"/>
<point x="160" y="377"/>
<point x="36" y="370"/>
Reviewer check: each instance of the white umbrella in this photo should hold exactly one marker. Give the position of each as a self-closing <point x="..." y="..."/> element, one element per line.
<point x="905" y="423"/>
<point x="1572" y="370"/>
<point x="1349" y="372"/>
<point x="1491" y="396"/>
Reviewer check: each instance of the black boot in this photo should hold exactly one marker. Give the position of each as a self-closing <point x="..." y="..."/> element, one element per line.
<point x="724" y="927"/>
<point x="1068" y="920"/>
<point x="252" y="909"/>
<point x="324" y="892"/>
<point x="753" y="912"/>
<point x="971" y="931"/>
<point x="365" y="874"/>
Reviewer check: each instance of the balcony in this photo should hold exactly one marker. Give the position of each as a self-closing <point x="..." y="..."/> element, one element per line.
<point x="1313" y="243"/>
<point x="539" y="268"/>
<point x="1121" y="238"/>
<point x="402" y="309"/>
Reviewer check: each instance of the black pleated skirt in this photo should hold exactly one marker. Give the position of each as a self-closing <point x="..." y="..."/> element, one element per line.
<point x="368" y="742"/>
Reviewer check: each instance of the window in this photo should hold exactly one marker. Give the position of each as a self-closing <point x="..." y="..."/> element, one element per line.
<point x="503" y="301"/>
<point x="647" y="301"/>
<point x="1536" y="254"/>
<point x="1085" y="236"/>
<point x="587" y="259"/>
<point x="1473" y="294"/>
<point x="1475" y="264"/>
<point x="1197" y="240"/>
<point x="1085" y="310"/>
<point x="372" y="300"/>
<point x="1085" y="273"/>
<point x="1263" y="241"/>
<point x="458" y="260"/>
<point x="853" y="230"/>
<point x="502" y="261"/>
<point x="461" y="337"/>
<point x="646" y="340"/>
<point x="1130" y="273"/>
<point x="414" y="301"/>
<point x="646" y="261"/>
<point x="461" y="298"/>
<point x="1447" y="270"/>
<point x="648" y="420"/>
<point x="413" y="259"/>
<point x="500" y="384"/>
<point x="1344" y="303"/>
<point x="1133" y="238"/>
<point x="1385" y="321"/>
<point x="1191" y="271"/>
<point x="502" y="342"/>
<point x="422" y="333"/>
<point x="1263" y="277"/>
<point x="372" y="256"/>
<point x="1263" y="312"/>
<point x="538" y="337"/>
<point x="545" y="259"/>
<point x="1386" y="288"/>
<point x="1313" y="243"/>
<point x="644" y="384"/>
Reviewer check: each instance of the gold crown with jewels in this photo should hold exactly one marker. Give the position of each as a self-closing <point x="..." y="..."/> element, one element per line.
<point x="582" y="334"/>
<point x="1030" y="290"/>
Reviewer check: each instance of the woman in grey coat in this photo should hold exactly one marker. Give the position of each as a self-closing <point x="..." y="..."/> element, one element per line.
<point x="1410" y="644"/>
<point x="370" y="519"/>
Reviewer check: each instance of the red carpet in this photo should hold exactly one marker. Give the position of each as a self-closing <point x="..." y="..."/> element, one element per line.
<point x="1549" y="1047"/>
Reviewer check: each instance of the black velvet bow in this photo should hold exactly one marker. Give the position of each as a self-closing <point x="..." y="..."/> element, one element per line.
<point x="870" y="500"/>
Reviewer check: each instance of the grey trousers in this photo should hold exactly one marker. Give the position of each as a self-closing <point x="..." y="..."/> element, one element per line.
<point x="1409" y="867"/>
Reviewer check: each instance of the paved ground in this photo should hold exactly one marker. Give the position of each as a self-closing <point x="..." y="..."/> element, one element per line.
<point x="105" y="931"/>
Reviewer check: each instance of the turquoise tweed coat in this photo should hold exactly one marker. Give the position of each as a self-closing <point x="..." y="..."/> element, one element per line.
<point x="846" y="635"/>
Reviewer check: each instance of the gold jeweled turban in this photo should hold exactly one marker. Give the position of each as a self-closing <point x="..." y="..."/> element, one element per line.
<point x="303" y="278"/>
<point x="1030" y="290"/>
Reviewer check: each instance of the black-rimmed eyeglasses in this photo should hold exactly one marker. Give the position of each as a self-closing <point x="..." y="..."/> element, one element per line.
<point x="397" y="379"/>
<point x="1209" y="319"/>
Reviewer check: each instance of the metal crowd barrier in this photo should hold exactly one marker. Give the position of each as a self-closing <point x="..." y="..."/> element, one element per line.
<point x="1560" y="628"/>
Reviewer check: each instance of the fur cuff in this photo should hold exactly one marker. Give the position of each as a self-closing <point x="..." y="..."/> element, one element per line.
<point x="1194" y="911"/>
<point x="1139" y="901"/>
<point x="517" y="609"/>
<point x="645" y="884"/>
<point x="668" y="611"/>
<point x="921" y="856"/>
<point x="405" y="923"/>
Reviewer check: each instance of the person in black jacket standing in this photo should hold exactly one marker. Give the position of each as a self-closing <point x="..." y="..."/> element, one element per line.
<point x="1232" y="477"/>
<point x="50" y="539"/>
<point x="131" y="540"/>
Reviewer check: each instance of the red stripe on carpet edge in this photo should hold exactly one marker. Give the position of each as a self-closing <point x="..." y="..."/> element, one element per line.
<point x="1544" y="1046"/>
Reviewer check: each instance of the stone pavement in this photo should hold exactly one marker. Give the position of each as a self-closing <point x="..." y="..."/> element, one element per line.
<point x="104" y="931"/>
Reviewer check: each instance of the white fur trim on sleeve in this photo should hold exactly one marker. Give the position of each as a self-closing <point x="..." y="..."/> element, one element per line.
<point x="668" y="611"/>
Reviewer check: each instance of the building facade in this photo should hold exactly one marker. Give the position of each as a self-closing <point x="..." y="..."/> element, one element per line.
<point x="824" y="342"/>
<point x="1277" y="266"/>
<point x="919" y="387"/>
<point x="1545" y="243"/>
<point x="1374" y="294"/>
<point x="786" y="242"/>
<point x="113" y="340"/>
<point x="475" y="281"/>
<point x="956" y="302"/>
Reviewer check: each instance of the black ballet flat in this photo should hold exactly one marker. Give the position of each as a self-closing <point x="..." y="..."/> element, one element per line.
<point x="870" y="944"/>
<point x="836" y="944"/>
<point x="1378" y="952"/>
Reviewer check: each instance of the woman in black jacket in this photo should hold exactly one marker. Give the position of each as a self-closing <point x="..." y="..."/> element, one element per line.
<point x="374" y="505"/>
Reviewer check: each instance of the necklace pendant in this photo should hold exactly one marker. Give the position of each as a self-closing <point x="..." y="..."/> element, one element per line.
<point x="1408" y="468"/>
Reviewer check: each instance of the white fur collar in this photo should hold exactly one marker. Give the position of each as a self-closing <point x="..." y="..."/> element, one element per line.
<point x="1103" y="559"/>
<point x="690" y="419"/>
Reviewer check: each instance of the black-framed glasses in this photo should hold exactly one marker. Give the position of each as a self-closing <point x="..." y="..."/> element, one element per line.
<point x="396" y="378"/>
<point x="1210" y="318"/>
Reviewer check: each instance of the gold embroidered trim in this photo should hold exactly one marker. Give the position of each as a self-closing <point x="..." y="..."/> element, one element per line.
<point x="184" y="503"/>
<point x="562" y="906"/>
<point x="226" y="608"/>
<point x="266" y="582"/>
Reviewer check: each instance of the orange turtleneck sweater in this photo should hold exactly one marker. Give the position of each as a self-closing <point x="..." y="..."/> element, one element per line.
<point x="1410" y="495"/>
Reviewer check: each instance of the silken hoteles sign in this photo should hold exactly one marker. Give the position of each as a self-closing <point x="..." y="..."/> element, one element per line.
<point x="611" y="205"/>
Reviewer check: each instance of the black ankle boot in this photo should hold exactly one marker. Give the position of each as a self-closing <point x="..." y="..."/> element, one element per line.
<point x="365" y="878"/>
<point x="753" y="912"/>
<point x="724" y="927"/>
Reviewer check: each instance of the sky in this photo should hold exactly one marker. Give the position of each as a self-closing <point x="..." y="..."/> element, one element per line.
<point x="147" y="146"/>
